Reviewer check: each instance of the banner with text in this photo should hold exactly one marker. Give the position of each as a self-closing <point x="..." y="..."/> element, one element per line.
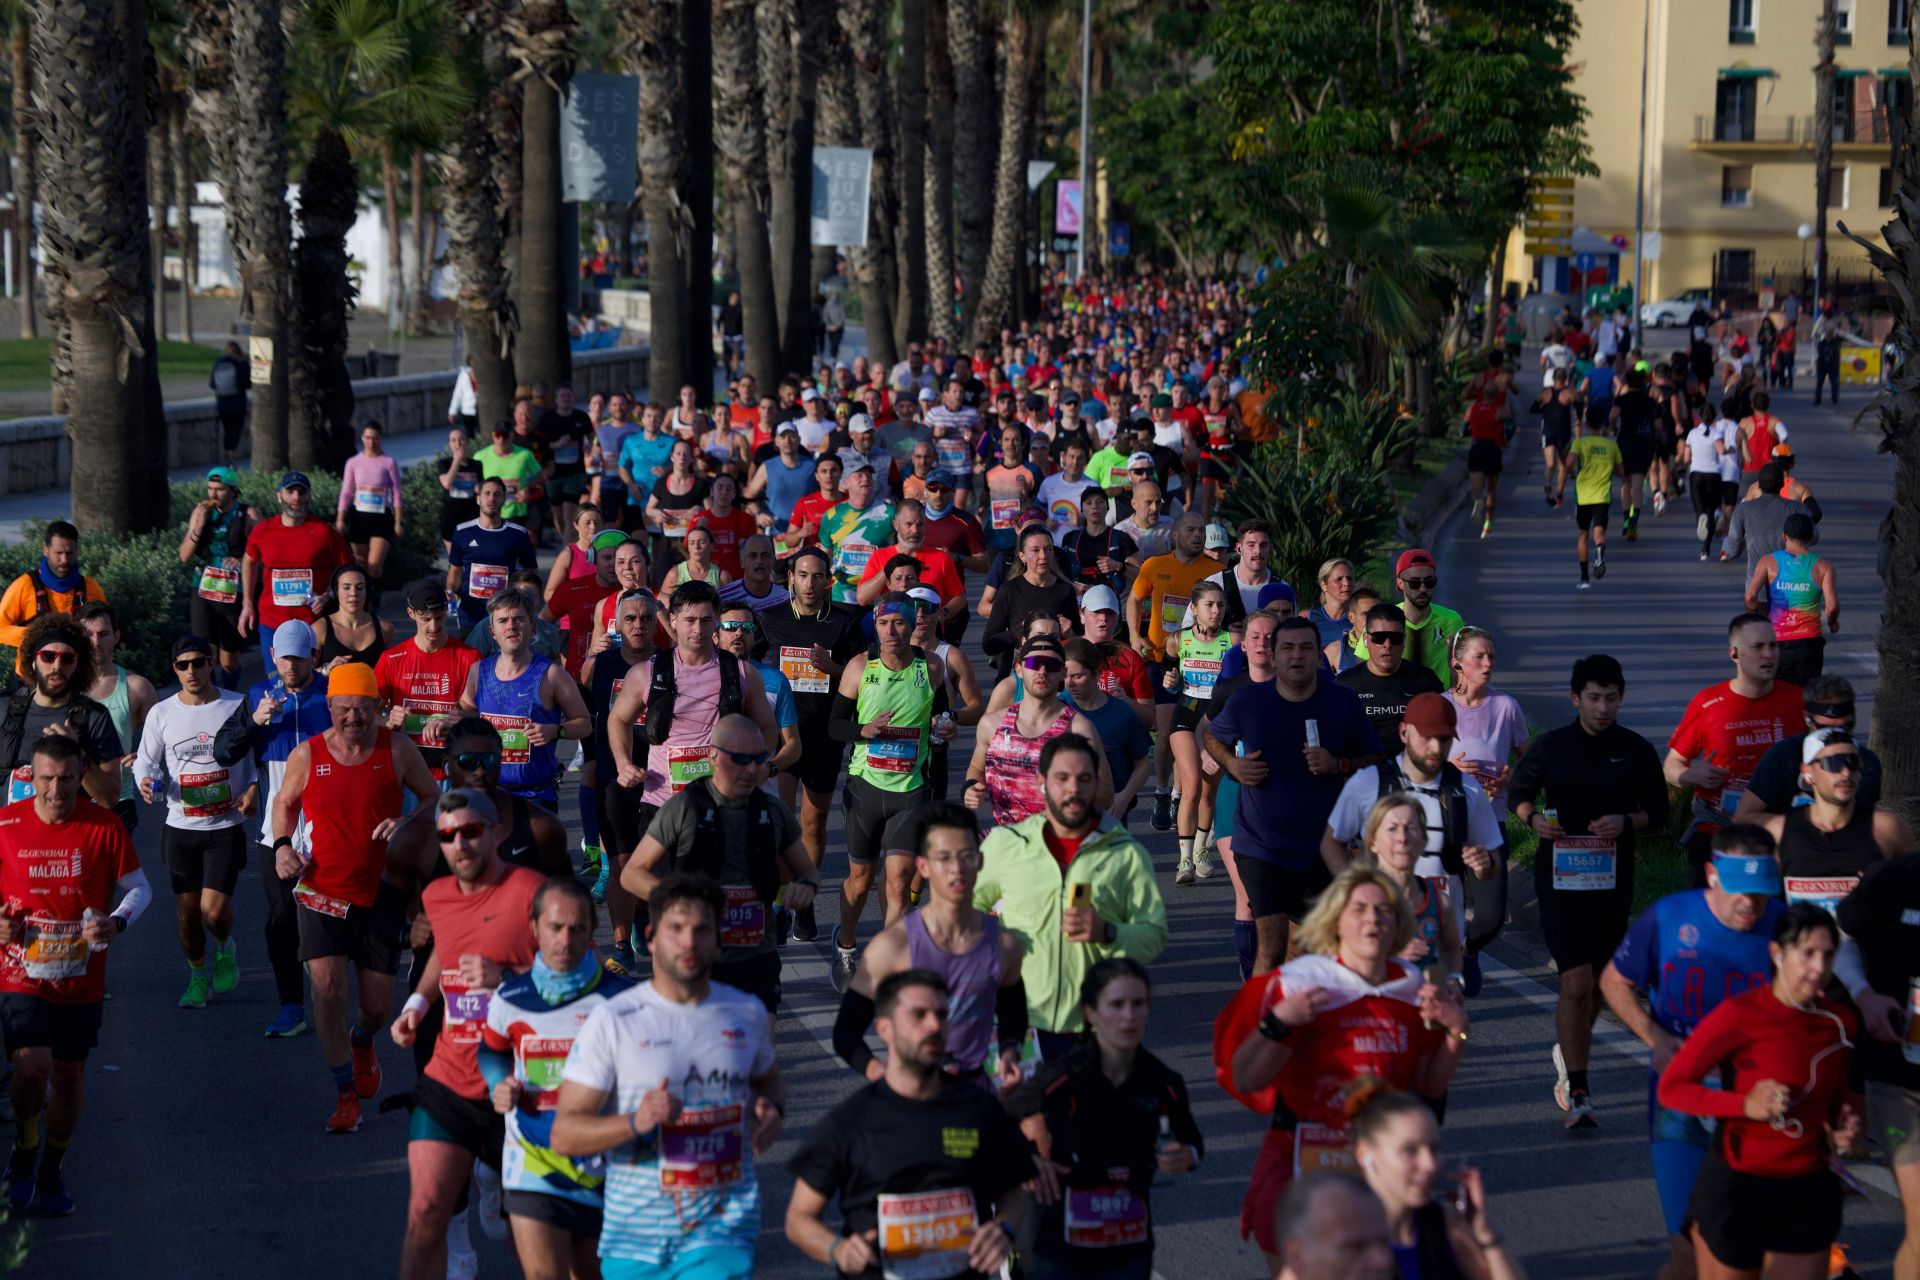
<point x="599" y="139"/>
<point x="842" y="177"/>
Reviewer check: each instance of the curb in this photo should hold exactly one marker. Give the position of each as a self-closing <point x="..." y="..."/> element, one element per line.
<point x="1435" y="503"/>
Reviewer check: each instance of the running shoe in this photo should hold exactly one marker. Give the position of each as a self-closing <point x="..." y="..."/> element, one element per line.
<point x="486" y="1201"/>
<point x="1659" y="503"/>
<point x="1550" y="501"/>
<point x="1560" y="1083"/>
<point x="599" y="890"/>
<point x="805" y="928"/>
<point x="463" y="1264"/>
<point x="1580" y="1115"/>
<point x="366" y="1071"/>
<point x="1600" y="560"/>
<point x="1631" y="527"/>
<point x="782" y="926"/>
<point x="346" y="1113"/>
<point x="289" y="1022"/>
<point x="1583" y="585"/>
<point x="226" y="967"/>
<point x="199" y="987"/>
<point x="20" y="1170"/>
<point x="1702" y="528"/>
<point x="1703" y="557"/>
<point x="845" y="961"/>
<point x="1203" y="863"/>
<point x="1163" y="812"/>
<point x="1183" y="874"/>
<point x="1486" y="529"/>
<point x="50" y="1198"/>
<point x="623" y="962"/>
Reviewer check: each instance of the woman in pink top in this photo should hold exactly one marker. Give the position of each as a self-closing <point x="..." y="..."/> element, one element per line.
<point x="1005" y="770"/>
<point x="369" y="515"/>
<point x="1493" y="729"/>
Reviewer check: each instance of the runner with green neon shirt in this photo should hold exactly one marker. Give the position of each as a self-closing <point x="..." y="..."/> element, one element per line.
<point x="1596" y="461"/>
<point x="513" y="466"/>
<point x="853" y="531"/>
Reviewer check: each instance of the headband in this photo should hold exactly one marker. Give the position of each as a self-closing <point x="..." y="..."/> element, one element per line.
<point x="1834" y="710"/>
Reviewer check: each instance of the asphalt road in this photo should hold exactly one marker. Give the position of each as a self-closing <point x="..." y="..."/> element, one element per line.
<point x="203" y="1151"/>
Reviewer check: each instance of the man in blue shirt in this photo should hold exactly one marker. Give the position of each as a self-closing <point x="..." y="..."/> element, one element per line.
<point x="485" y="551"/>
<point x="1300" y="739"/>
<point x="1688" y="952"/>
<point x="643" y="458"/>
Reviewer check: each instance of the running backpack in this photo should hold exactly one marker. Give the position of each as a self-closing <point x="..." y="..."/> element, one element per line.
<point x="662" y="692"/>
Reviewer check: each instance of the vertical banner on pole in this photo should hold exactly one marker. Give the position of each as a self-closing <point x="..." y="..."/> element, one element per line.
<point x="599" y="138"/>
<point x="1066" y="207"/>
<point x="842" y="177"/>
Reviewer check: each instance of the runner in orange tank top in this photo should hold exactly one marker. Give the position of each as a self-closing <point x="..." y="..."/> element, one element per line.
<point x="345" y="784"/>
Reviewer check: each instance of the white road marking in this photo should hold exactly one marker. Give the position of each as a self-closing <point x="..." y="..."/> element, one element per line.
<point x="1617" y="1039"/>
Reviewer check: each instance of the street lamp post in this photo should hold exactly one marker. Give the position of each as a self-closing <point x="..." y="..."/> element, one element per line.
<point x="1805" y="232"/>
<point x="1086" y="91"/>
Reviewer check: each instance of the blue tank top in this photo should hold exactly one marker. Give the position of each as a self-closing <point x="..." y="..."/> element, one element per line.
<point x="973" y="986"/>
<point x="787" y="485"/>
<point x="512" y="707"/>
<point x="1688" y="962"/>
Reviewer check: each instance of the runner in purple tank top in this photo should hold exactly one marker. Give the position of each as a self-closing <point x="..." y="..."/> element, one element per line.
<point x="979" y="960"/>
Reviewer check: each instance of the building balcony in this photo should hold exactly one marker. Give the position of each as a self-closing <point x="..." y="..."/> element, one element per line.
<point x="1780" y="133"/>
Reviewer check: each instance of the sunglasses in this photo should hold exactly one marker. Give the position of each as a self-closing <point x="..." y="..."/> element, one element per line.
<point x="1387" y="637"/>
<point x="1848" y="763"/>
<point x="57" y="657"/>
<point x="189" y="664"/>
<point x="1418" y="584"/>
<point x="478" y="759"/>
<point x="738" y="624"/>
<point x="471" y="830"/>
<point x="1041" y="662"/>
<point x="748" y="759"/>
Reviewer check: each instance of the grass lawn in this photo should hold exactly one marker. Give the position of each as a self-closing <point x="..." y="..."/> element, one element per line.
<point x="23" y="362"/>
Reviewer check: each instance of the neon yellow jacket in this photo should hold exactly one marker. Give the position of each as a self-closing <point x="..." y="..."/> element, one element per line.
<point x="1019" y="874"/>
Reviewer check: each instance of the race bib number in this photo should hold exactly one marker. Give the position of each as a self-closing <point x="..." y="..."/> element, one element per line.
<point x="417" y="711"/>
<point x="313" y="900"/>
<point x="372" y="502"/>
<point x="1003" y="512"/>
<point x="20" y="784"/>
<point x="1200" y="675"/>
<point x="686" y="764"/>
<point x="291" y="588"/>
<point x="745" y="922"/>
<point x="1172" y="610"/>
<point x="1319" y="1148"/>
<point x="222" y="586"/>
<point x="205" y="795"/>
<point x="466" y="1009"/>
<point x="853" y="557"/>
<point x="462" y="485"/>
<point x="512" y="484"/>
<point x="925" y="1236"/>
<point x="516" y="747"/>
<point x="53" y="948"/>
<point x="702" y="1150"/>
<point x="1825" y="892"/>
<point x="567" y="456"/>
<point x="542" y="1058"/>
<point x="676" y="523"/>
<point x="953" y="454"/>
<point x="1217" y="432"/>
<point x="895" y="748"/>
<point x="1584" y="864"/>
<point x="1105" y="1217"/>
<point x="796" y="664"/>
<point x="485" y="581"/>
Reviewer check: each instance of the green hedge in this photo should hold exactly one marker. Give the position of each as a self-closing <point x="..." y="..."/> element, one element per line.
<point x="149" y="587"/>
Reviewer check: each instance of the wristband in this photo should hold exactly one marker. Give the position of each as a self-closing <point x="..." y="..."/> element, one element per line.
<point x="416" y="1003"/>
<point x="119" y="923"/>
<point x="282" y="841"/>
<point x="1273" y="1028"/>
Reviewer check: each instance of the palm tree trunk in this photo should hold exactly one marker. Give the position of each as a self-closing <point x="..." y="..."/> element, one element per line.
<point x="740" y="132"/>
<point x="970" y="43"/>
<point x="422" y="232"/>
<point x="542" y="50"/>
<point x="257" y="216"/>
<point x="789" y="70"/>
<point x="864" y="22"/>
<point x="320" y="413"/>
<point x="939" y="176"/>
<point x="390" y="198"/>
<point x="469" y="204"/>
<point x="89" y="108"/>
<point x="696" y="35"/>
<point x="1006" y="257"/>
<point x="160" y="201"/>
<point x="910" y="315"/>
<point x="1823" y="33"/>
<point x="183" y="199"/>
<point x="653" y="29"/>
<point x="26" y="187"/>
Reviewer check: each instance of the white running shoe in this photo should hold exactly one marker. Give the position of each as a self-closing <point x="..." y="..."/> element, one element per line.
<point x="1183" y="874"/>
<point x="486" y="1202"/>
<point x="1203" y="863"/>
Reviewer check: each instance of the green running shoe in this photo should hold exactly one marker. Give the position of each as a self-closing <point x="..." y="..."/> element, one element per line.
<point x="226" y="968"/>
<point x="198" y="988"/>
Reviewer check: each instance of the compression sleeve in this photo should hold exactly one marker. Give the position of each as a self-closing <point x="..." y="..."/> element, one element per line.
<point x="135" y="894"/>
<point x="1813" y="507"/>
<point x="842" y="726"/>
<point x="1849" y="965"/>
<point x="1010" y="1013"/>
<point x="495" y="1066"/>
<point x="850" y="1030"/>
<point x="1713" y="1042"/>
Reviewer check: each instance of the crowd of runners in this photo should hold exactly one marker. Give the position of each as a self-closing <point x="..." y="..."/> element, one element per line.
<point x="758" y="613"/>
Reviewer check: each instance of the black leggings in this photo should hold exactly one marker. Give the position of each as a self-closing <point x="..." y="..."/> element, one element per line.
<point x="282" y="930"/>
<point x="1704" y="488"/>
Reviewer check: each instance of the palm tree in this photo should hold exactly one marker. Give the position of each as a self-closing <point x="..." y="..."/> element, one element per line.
<point x="320" y="391"/>
<point x="471" y="208"/>
<point x="256" y="205"/>
<point x="653" y="30"/>
<point x="1007" y="255"/>
<point x="939" y="175"/>
<point x="696" y="88"/>
<point x="540" y="38"/>
<point x="90" y="109"/>
<point x="791" y="39"/>
<point x="1823" y="36"/>
<point x="864" y="24"/>
<point x="969" y="42"/>
<point x="910" y="306"/>
<point x="740" y="134"/>
<point x="26" y="139"/>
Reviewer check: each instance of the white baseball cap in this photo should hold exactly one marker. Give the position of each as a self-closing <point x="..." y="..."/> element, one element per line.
<point x="1100" y="599"/>
<point x="859" y="422"/>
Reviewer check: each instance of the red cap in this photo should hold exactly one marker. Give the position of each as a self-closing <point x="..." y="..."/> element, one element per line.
<point x="1432" y="715"/>
<point x="1411" y="557"/>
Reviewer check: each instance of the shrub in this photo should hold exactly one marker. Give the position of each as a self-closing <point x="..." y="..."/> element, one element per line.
<point x="1319" y="506"/>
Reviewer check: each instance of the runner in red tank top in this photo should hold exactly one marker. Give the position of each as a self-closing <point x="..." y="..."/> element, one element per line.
<point x="346" y="784"/>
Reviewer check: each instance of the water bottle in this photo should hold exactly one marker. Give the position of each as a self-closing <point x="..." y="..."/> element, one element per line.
<point x="87" y="918"/>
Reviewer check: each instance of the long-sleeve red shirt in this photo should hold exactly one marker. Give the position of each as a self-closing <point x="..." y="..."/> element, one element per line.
<point x="1755" y="1037"/>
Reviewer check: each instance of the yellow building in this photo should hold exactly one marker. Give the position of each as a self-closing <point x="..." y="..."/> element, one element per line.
<point x="1729" y="140"/>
